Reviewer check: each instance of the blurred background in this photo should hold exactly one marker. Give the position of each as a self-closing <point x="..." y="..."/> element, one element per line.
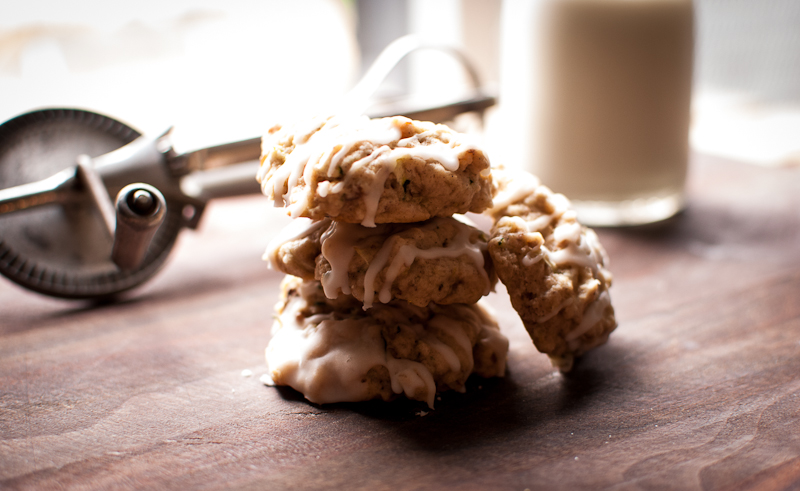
<point x="224" y="70"/>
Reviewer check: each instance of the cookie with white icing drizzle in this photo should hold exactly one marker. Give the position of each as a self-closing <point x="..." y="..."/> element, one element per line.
<point x="553" y="267"/>
<point x="333" y="351"/>
<point x="389" y="170"/>
<point x="442" y="260"/>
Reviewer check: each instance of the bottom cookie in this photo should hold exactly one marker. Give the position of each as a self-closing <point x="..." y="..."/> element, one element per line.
<point x="331" y="350"/>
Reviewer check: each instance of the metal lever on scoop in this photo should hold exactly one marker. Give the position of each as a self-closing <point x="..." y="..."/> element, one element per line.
<point x="141" y="209"/>
<point x="132" y="222"/>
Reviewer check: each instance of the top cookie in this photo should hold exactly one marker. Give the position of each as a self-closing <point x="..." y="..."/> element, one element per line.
<point x="553" y="267"/>
<point x="358" y="170"/>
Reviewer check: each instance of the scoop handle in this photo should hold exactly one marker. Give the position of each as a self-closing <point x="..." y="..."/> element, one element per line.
<point x="140" y="210"/>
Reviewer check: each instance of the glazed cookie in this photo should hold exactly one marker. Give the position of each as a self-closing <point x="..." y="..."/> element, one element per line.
<point x="442" y="260"/>
<point x="357" y="170"/>
<point x="333" y="351"/>
<point x="553" y="268"/>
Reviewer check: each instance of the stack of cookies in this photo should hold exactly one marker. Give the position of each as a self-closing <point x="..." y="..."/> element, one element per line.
<point x="384" y="282"/>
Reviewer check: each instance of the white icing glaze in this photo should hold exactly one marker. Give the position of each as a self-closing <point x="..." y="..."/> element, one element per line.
<point x="591" y="316"/>
<point x="447" y="352"/>
<point x="560" y="206"/>
<point x="299" y="228"/>
<point x="438" y="153"/>
<point x="341" y="239"/>
<point x="568" y="231"/>
<point x="579" y="253"/>
<point x="414" y="139"/>
<point x="517" y="187"/>
<point x="446" y="325"/>
<point x="531" y="257"/>
<point x="373" y="196"/>
<point x="326" y="361"/>
<point x="480" y="314"/>
<point x="375" y="266"/>
<point x="378" y="132"/>
<point x="539" y="223"/>
<point x="555" y="311"/>
<point x="407" y="254"/>
<point x="573" y="255"/>
<point x="338" y="247"/>
<point x="323" y="188"/>
<point x="517" y="223"/>
<point x="410" y="376"/>
<point x="559" y="202"/>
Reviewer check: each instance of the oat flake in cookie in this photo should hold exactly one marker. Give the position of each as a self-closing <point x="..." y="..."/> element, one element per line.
<point x="358" y="170"/>
<point x="334" y="351"/>
<point x="441" y="260"/>
<point x="553" y="267"/>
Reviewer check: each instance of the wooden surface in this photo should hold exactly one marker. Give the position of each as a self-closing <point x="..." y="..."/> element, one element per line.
<point x="699" y="387"/>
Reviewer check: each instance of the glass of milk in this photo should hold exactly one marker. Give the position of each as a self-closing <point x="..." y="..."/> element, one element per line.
<point x="600" y="92"/>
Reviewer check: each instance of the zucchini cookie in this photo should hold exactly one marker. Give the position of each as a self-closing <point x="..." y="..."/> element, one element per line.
<point x="370" y="171"/>
<point x="553" y="267"/>
<point x="442" y="260"/>
<point x="331" y="350"/>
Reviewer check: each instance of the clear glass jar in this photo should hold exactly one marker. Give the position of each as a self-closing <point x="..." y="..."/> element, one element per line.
<point x="612" y="102"/>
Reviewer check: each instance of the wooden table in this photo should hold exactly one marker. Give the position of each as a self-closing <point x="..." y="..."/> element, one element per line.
<point x="699" y="387"/>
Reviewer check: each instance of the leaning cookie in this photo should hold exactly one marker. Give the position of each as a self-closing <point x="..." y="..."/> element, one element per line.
<point x="357" y="170"/>
<point x="553" y="268"/>
<point x="333" y="351"/>
<point x="442" y="260"/>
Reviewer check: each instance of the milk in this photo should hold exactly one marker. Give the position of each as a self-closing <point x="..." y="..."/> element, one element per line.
<point x="604" y="104"/>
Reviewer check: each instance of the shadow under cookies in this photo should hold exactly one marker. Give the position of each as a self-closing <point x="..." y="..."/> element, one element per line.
<point x="532" y="399"/>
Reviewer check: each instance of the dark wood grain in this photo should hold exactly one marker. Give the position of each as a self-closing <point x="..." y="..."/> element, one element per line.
<point x="699" y="388"/>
